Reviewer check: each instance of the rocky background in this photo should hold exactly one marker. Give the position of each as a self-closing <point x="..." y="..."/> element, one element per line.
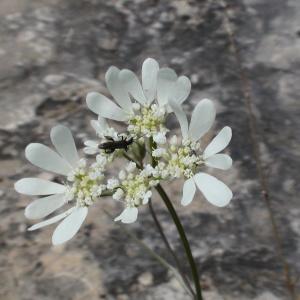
<point x="52" y="52"/>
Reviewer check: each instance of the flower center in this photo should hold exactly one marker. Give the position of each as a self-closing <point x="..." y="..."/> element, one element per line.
<point x="85" y="186"/>
<point x="184" y="160"/>
<point x="147" y="121"/>
<point x="134" y="188"/>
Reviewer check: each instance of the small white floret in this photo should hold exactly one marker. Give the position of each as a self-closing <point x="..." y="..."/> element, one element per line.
<point x="112" y="183"/>
<point x="160" y="138"/>
<point x="159" y="152"/>
<point x="131" y="167"/>
<point x="118" y="195"/>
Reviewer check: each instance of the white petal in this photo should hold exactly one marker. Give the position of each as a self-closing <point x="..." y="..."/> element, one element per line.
<point x="147" y="197"/>
<point x="128" y="215"/>
<point x="104" y="107"/>
<point x="214" y="190"/>
<point x="43" y="207"/>
<point x="90" y="151"/>
<point x="102" y="123"/>
<point x="91" y="143"/>
<point x="51" y="220"/>
<point x="69" y="226"/>
<point x="149" y="78"/>
<point x="218" y="143"/>
<point x="37" y="186"/>
<point x="47" y="159"/>
<point x="99" y="125"/>
<point x="188" y="192"/>
<point x="202" y="119"/>
<point x="63" y="141"/>
<point x="181" y="117"/>
<point x="165" y="84"/>
<point x="160" y="138"/>
<point x="219" y="161"/>
<point x="181" y="89"/>
<point x="96" y="126"/>
<point x="115" y="86"/>
<point x="132" y="85"/>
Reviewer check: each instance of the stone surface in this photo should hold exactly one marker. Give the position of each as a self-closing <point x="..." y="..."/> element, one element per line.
<point x="53" y="52"/>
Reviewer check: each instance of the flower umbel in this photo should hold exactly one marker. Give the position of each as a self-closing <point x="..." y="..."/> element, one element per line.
<point x="86" y="184"/>
<point x="143" y="106"/>
<point x="134" y="190"/>
<point x="203" y="116"/>
<point x="82" y="187"/>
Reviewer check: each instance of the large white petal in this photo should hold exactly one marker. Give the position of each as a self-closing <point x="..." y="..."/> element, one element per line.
<point x="219" y="161"/>
<point x="38" y="186"/>
<point x="188" y="192"/>
<point x="214" y="190"/>
<point x="69" y="226"/>
<point x="47" y="159"/>
<point x="181" y="89"/>
<point x="51" y="220"/>
<point x="104" y="107"/>
<point x="43" y="207"/>
<point x="116" y="88"/>
<point x="149" y="78"/>
<point x="181" y="117"/>
<point x="218" y="143"/>
<point x="166" y="79"/>
<point x="202" y="119"/>
<point x="63" y="141"/>
<point x="132" y="85"/>
<point x="128" y="215"/>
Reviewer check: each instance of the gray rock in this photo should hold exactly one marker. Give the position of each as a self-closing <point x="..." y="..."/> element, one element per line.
<point x="53" y="52"/>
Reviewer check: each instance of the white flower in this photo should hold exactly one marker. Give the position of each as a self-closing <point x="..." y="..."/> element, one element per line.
<point x="159" y="152"/>
<point x="118" y="194"/>
<point x="174" y="140"/>
<point x="147" y="170"/>
<point x="160" y="138"/>
<point x="128" y="215"/>
<point x="203" y="116"/>
<point x="91" y="147"/>
<point x="64" y="162"/>
<point x="112" y="183"/>
<point x="103" y="129"/>
<point x="135" y="190"/>
<point x="122" y="175"/>
<point x="146" y="197"/>
<point x="146" y="118"/>
<point x="131" y="166"/>
<point x="101" y="160"/>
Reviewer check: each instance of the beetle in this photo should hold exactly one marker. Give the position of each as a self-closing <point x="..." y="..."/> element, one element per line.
<point x="112" y="145"/>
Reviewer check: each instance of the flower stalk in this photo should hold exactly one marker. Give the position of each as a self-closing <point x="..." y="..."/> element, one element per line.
<point x="184" y="240"/>
<point x="168" y="246"/>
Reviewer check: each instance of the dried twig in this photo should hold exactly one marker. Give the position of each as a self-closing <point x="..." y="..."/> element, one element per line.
<point x="246" y="90"/>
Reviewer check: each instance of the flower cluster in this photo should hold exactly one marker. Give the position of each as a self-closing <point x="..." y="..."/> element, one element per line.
<point x="86" y="183"/>
<point x="152" y="156"/>
<point x="134" y="189"/>
<point x="147" y="121"/>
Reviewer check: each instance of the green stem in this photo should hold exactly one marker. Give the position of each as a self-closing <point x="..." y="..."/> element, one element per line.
<point x="184" y="240"/>
<point x="168" y="246"/>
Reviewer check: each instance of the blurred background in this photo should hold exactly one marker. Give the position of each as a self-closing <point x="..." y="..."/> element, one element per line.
<point x="52" y="52"/>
